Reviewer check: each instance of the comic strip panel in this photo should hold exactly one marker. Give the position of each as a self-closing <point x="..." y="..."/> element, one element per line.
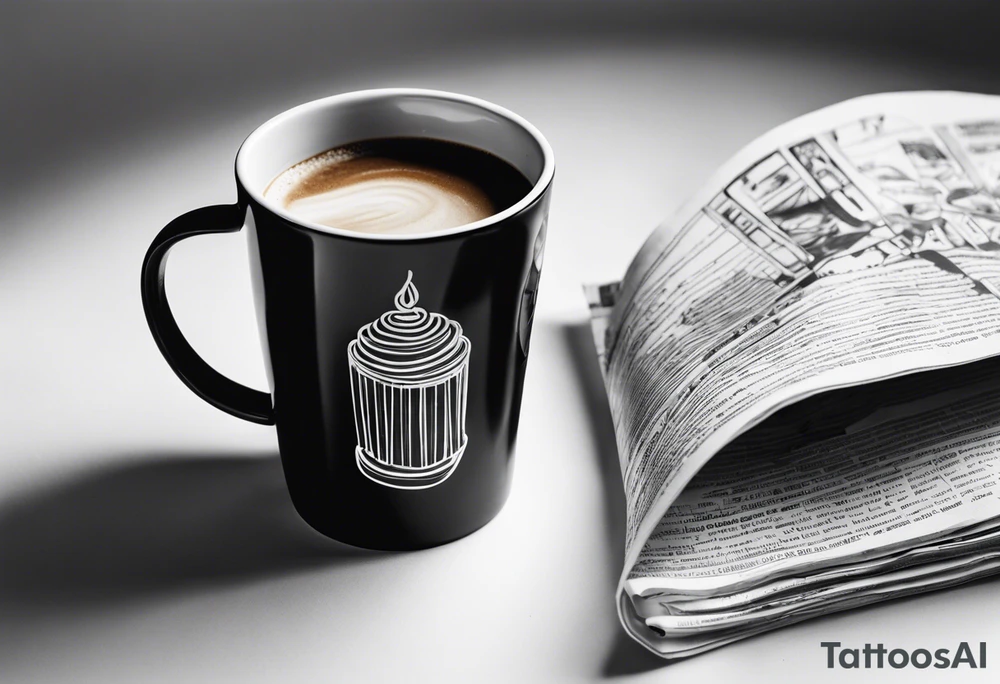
<point x="801" y="195"/>
<point x="922" y="190"/>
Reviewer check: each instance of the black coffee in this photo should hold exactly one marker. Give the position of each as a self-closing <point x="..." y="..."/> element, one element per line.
<point x="399" y="186"/>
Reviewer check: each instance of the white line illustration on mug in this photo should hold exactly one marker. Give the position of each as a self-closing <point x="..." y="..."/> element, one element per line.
<point x="409" y="384"/>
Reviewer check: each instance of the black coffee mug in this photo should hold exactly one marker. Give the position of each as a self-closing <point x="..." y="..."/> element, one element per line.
<point x="374" y="455"/>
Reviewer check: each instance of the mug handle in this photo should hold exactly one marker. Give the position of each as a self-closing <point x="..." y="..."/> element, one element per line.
<point x="205" y="381"/>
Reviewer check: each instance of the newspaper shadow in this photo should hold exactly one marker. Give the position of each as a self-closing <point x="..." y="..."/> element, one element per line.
<point x="147" y="526"/>
<point x="625" y="656"/>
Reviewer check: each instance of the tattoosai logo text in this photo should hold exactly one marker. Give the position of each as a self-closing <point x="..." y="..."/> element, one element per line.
<point x="878" y="656"/>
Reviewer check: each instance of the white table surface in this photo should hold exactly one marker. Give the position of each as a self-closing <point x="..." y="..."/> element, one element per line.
<point x="145" y="536"/>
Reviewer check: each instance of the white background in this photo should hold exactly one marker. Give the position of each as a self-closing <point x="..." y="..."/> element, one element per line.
<point x="145" y="536"/>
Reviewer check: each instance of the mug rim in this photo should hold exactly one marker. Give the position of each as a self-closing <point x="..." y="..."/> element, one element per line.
<point x="538" y="188"/>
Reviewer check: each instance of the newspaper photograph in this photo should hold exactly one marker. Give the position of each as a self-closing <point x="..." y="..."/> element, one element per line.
<point x="798" y="366"/>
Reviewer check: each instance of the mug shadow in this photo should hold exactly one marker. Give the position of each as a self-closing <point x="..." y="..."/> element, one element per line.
<point x="625" y="656"/>
<point x="149" y="525"/>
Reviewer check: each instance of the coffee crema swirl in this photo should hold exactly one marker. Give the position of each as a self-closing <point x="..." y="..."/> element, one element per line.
<point x="351" y="189"/>
<point x="409" y="346"/>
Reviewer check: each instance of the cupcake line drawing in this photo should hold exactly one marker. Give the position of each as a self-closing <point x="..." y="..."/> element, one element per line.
<point x="409" y="384"/>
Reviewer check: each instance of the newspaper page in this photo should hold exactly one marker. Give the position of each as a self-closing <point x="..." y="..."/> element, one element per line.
<point x="855" y="244"/>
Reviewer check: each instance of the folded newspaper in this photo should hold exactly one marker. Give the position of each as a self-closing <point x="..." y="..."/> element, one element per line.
<point x="802" y="368"/>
